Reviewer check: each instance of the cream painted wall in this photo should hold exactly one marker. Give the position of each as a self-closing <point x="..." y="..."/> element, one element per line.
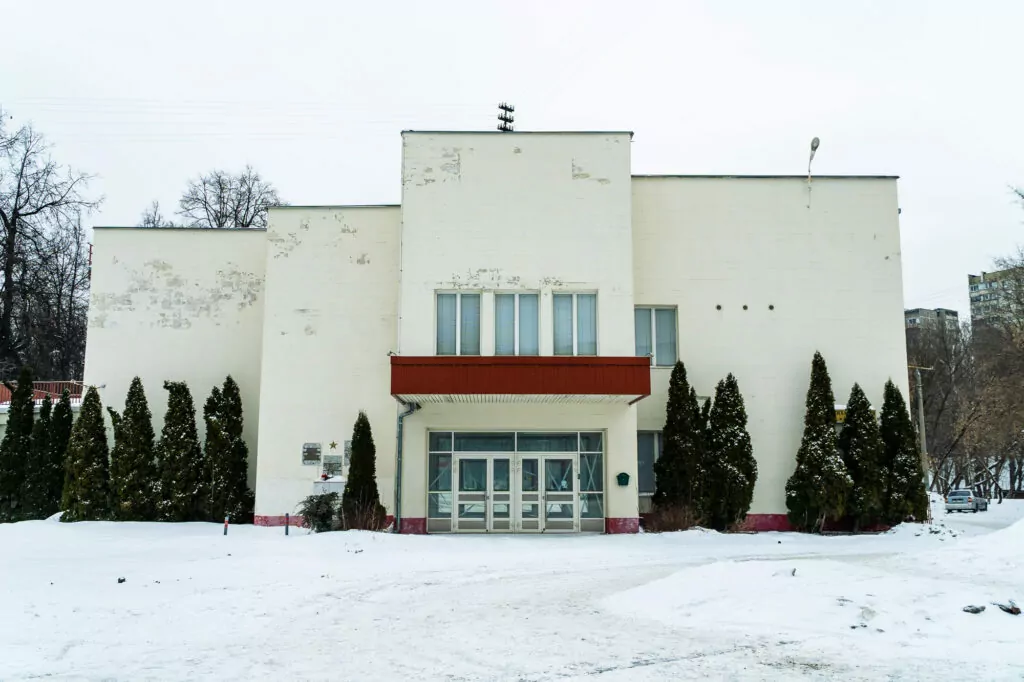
<point x="329" y="323"/>
<point x="177" y="304"/>
<point x="618" y="421"/>
<point x="832" y="271"/>
<point x="524" y="212"/>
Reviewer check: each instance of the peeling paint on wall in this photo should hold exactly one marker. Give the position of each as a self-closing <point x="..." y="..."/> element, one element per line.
<point x="282" y="245"/>
<point x="579" y="174"/>
<point x="452" y="164"/>
<point x="172" y="300"/>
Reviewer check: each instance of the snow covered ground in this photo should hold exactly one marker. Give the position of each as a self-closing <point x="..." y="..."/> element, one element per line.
<point x="362" y="606"/>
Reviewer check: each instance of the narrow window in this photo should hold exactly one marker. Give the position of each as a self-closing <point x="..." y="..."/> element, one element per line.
<point x="575" y="324"/>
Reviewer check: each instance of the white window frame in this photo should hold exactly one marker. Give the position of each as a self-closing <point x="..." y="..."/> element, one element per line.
<point x="575" y="322"/>
<point x="654" y="330"/>
<point x="515" y="321"/>
<point x="458" y="321"/>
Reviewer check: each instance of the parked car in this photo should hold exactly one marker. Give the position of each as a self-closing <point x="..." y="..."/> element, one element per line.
<point x="965" y="500"/>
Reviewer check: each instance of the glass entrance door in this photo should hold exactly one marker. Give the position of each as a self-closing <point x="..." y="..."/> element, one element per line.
<point x="547" y="496"/>
<point x="560" y="494"/>
<point x="483" y="495"/>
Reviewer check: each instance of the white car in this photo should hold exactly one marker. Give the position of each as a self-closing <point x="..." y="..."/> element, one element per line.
<point x="965" y="500"/>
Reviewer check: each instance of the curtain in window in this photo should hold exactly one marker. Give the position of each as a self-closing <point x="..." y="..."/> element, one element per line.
<point x="563" y="324"/>
<point x="586" y="324"/>
<point x="446" y="324"/>
<point x="470" y="341"/>
<point x="529" y="337"/>
<point x="665" y="349"/>
<point x="504" y="324"/>
<point x="642" y="330"/>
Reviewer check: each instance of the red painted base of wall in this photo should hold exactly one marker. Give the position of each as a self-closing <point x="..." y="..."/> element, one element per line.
<point x="622" y="525"/>
<point x="293" y="520"/>
<point x="413" y="526"/>
<point x="764" y="523"/>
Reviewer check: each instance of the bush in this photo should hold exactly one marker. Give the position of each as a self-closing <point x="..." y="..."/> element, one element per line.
<point x="319" y="512"/>
<point x="731" y="471"/>
<point x="16" y="448"/>
<point x="817" y="491"/>
<point x="86" y="495"/>
<point x="360" y="505"/>
<point x="134" y="479"/>
<point x="679" y="471"/>
<point x="669" y="517"/>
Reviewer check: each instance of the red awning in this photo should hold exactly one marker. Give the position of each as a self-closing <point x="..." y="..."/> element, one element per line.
<point x="492" y="379"/>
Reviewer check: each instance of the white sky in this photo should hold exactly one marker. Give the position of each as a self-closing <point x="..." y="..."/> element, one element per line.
<point x="314" y="95"/>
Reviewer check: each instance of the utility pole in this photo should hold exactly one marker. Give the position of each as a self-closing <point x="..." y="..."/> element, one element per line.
<point x="922" y="437"/>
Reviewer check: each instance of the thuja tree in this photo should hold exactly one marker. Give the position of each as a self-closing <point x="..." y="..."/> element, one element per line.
<point x="133" y="474"/>
<point x="61" y="422"/>
<point x="817" y="490"/>
<point x="41" y="497"/>
<point x="860" y="443"/>
<point x="360" y="503"/>
<point x="87" y="492"/>
<point x="183" y="482"/>
<point x="227" y="455"/>
<point x="15" y="448"/>
<point x="904" y="495"/>
<point x="679" y="469"/>
<point x="731" y="470"/>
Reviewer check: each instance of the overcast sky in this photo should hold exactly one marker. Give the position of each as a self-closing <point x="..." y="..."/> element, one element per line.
<point x="314" y="94"/>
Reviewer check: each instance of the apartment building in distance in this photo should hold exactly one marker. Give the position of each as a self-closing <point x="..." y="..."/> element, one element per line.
<point x="988" y="293"/>
<point x="511" y="326"/>
<point x="924" y="318"/>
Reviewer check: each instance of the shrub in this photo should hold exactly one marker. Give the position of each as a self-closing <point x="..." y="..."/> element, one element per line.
<point x="669" y="517"/>
<point x="15" y="448"/>
<point x="360" y="505"/>
<point x="679" y="471"/>
<point x="133" y="474"/>
<point x="319" y="512"/>
<point x="731" y="470"/>
<point x="87" y="485"/>
<point x="817" y="490"/>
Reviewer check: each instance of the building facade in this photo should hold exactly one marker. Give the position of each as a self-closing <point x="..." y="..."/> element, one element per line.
<point x="991" y="293"/>
<point x="922" y="318"/>
<point x="510" y="328"/>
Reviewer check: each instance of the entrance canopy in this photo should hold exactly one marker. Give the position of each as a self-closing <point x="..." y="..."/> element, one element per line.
<point x="513" y="379"/>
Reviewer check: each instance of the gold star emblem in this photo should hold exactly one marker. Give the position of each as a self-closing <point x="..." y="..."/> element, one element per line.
<point x="334" y="445"/>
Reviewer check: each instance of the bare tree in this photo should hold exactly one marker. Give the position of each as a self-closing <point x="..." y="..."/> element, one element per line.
<point x="39" y="200"/>
<point x="154" y="217"/>
<point x="222" y="200"/>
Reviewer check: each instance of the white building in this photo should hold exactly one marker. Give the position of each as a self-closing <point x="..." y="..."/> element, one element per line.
<point x="510" y="328"/>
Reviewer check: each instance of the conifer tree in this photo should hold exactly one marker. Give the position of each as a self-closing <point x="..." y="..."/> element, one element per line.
<point x="227" y="455"/>
<point x="38" y="492"/>
<point x="731" y="468"/>
<point x="183" y="481"/>
<point x="61" y="422"/>
<point x="860" y="443"/>
<point x="905" y="493"/>
<point x="680" y="468"/>
<point x="817" y="490"/>
<point x="87" y="497"/>
<point x="360" y="503"/>
<point x="134" y="480"/>
<point x="15" y="449"/>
